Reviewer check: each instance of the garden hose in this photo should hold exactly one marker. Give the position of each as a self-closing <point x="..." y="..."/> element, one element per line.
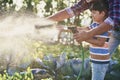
<point x="81" y="69"/>
<point x="74" y="30"/>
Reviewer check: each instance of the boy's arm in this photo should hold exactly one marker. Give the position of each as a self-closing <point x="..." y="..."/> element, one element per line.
<point x="97" y="42"/>
<point x="82" y="28"/>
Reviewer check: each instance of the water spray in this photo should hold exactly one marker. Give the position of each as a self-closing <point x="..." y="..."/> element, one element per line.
<point x="17" y="33"/>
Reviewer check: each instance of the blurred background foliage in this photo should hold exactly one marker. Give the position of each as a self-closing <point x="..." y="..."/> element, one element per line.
<point x="44" y="8"/>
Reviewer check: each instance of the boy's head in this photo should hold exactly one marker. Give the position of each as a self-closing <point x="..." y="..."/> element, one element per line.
<point x="99" y="10"/>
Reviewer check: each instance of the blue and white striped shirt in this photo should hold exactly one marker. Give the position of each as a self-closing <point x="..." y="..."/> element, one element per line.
<point x="99" y="54"/>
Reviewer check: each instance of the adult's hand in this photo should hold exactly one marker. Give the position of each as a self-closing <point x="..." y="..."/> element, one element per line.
<point x="81" y="36"/>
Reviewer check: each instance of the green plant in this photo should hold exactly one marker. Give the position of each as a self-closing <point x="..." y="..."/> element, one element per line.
<point x="17" y="76"/>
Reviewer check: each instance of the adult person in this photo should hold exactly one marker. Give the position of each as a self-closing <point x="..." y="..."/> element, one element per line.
<point x="99" y="53"/>
<point x="112" y="22"/>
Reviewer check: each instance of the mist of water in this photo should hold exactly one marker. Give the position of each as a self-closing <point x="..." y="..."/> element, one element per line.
<point x="16" y="33"/>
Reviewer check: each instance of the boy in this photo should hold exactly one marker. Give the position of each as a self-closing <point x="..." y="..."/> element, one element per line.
<point x="99" y="54"/>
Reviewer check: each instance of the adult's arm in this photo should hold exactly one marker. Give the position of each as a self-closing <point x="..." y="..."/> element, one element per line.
<point x="69" y="12"/>
<point x="104" y="27"/>
<point x="60" y="16"/>
<point x="85" y="35"/>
